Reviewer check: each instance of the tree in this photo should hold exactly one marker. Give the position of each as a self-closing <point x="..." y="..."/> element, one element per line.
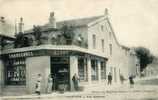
<point x="37" y="34"/>
<point x="68" y="33"/>
<point x="21" y="40"/>
<point x="2" y="42"/>
<point x="144" y="56"/>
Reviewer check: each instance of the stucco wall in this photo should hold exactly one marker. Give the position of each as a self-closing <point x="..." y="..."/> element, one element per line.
<point x="100" y="34"/>
<point x="120" y="61"/>
<point x="35" y="66"/>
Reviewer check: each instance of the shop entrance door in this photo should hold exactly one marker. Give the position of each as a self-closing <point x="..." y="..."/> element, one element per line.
<point x="60" y="73"/>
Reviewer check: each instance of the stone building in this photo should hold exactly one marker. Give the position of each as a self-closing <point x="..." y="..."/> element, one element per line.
<point x="91" y="51"/>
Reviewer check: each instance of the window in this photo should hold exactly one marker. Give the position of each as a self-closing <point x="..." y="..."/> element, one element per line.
<point x="110" y="47"/>
<point x="115" y="74"/>
<point x="102" y="28"/>
<point x="110" y="34"/>
<point x="94" y="70"/>
<point x="82" y="69"/>
<point x="102" y="43"/>
<point x="15" y="71"/>
<point x="103" y="70"/>
<point x="94" y="41"/>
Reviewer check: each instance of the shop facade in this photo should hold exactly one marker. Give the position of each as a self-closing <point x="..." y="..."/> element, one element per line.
<point x="21" y="67"/>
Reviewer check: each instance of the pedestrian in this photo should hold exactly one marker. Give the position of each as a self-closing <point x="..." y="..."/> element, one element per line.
<point x="38" y="84"/>
<point x="131" y="81"/>
<point x="109" y="78"/>
<point x="50" y="84"/>
<point x="75" y="80"/>
<point x="122" y="79"/>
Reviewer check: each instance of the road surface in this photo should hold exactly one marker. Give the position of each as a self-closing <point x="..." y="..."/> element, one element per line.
<point x="124" y="92"/>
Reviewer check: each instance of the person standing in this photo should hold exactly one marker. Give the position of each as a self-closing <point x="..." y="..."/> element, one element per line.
<point x="109" y="79"/>
<point x="122" y="79"/>
<point x="75" y="80"/>
<point x="50" y="84"/>
<point x="38" y="84"/>
<point x="131" y="81"/>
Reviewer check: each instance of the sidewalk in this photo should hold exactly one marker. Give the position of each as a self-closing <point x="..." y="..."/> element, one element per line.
<point x="99" y="90"/>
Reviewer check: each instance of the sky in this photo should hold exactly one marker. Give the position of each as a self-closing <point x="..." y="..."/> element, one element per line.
<point x="135" y="22"/>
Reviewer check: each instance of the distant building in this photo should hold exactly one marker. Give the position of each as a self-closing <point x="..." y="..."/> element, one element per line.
<point x="151" y="69"/>
<point x="91" y="53"/>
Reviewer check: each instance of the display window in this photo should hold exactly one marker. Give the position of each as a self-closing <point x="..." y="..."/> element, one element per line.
<point x="15" y="71"/>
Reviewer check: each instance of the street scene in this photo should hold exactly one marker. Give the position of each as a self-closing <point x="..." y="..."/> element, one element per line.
<point x="76" y="50"/>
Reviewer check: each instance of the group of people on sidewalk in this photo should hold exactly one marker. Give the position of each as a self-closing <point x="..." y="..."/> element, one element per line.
<point x="75" y="81"/>
<point x="122" y="79"/>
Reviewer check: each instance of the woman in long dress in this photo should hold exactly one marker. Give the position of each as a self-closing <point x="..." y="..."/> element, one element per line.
<point x="38" y="85"/>
<point x="50" y="84"/>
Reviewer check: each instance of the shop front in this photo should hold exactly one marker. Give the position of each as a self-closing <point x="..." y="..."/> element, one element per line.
<point x="21" y="69"/>
<point x="60" y="73"/>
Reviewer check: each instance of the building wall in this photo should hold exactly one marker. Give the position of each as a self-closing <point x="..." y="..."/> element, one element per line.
<point x="152" y="69"/>
<point x="120" y="61"/>
<point x="100" y="34"/>
<point x="35" y="66"/>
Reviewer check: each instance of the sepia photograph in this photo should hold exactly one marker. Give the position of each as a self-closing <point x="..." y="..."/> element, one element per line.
<point x="78" y="50"/>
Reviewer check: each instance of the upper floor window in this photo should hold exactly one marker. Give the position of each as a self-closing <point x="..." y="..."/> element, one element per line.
<point x="102" y="43"/>
<point x="94" y="41"/>
<point x="110" y="47"/>
<point x="110" y="34"/>
<point x="102" y="28"/>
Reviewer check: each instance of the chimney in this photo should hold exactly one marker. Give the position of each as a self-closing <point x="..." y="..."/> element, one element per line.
<point x="21" y="25"/>
<point x="16" y="31"/>
<point x="106" y="12"/>
<point x="2" y="19"/>
<point x="52" y="20"/>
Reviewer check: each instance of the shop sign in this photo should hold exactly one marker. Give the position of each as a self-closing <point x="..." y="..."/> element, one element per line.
<point x="22" y="54"/>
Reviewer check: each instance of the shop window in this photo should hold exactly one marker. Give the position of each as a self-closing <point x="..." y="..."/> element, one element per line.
<point x="103" y="70"/>
<point x="15" y="71"/>
<point x="94" y="70"/>
<point x="82" y="69"/>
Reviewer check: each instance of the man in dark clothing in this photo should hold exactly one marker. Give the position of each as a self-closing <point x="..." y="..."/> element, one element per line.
<point x="131" y="81"/>
<point x="122" y="79"/>
<point x="109" y="79"/>
<point x="75" y="80"/>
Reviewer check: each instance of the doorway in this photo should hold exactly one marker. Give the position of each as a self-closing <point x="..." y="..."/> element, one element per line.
<point x="60" y="73"/>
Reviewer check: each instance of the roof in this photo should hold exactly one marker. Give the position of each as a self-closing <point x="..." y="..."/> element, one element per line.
<point x="73" y="22"/>
<point x="7" y="36"/>
<point x="125" y="47"/>
<point x="77" y="22"/>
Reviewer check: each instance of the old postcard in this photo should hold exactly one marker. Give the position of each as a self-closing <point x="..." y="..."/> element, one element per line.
<point x="78" y="49"/>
